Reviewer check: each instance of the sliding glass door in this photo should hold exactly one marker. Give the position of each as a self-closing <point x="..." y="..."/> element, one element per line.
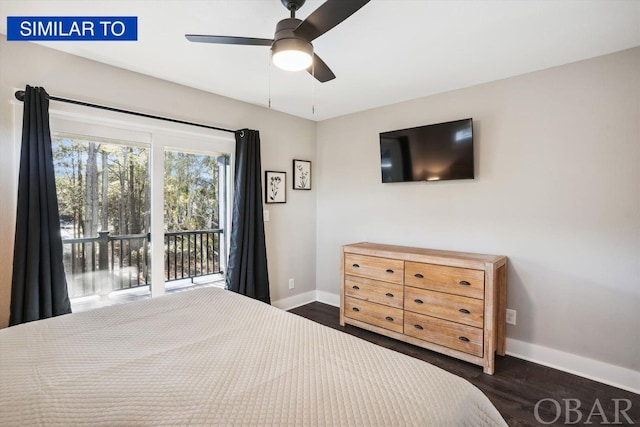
<point x="142" y="212"/>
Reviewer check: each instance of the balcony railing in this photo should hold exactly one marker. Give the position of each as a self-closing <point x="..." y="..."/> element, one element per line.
<point x="190" y="254"/>
<point x="100" y="265"/>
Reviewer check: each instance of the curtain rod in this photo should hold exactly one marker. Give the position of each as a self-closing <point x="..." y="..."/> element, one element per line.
<point x="20" y="97"/>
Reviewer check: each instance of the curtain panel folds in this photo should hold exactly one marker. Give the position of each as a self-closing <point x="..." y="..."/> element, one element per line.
<point x="247" y="270"/>
<point x="39" y="286"/>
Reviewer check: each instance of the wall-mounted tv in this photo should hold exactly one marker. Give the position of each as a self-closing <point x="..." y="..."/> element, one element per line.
<point x="436" y="152"/>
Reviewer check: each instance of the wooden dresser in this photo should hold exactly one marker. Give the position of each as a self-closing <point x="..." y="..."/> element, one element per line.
<point x="450" y="302"/>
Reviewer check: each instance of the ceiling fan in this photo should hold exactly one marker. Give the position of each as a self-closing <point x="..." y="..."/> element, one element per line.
<point x="291" y="47"/>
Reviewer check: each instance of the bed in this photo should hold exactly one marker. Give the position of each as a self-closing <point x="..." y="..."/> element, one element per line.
<point x="212" y="357"/>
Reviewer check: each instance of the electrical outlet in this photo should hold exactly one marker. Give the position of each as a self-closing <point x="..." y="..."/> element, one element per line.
<point x="291" y="284"/>
<point x="511" y="316"/>
<point x="265" y="215"/>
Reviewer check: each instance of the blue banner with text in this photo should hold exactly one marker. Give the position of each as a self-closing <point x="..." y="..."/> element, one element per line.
<point x="73" y="28"/>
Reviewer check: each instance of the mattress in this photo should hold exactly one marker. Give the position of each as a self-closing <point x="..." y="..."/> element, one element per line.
<point x="212" y="357"/>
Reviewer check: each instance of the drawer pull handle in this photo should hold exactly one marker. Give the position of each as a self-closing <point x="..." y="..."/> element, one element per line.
<point x="389" y="270"/>
<point x="418" y="327"/>
<point x="419" y="276"/>
<point x="464" y="310"/>
<point x="356" y="287"/>
<point x="465" y="283"/>
<point x="356" y="265"/>
<point x="418" y="301"/>
<point x="389" y="318"/>
<point x="465" y="339"/>
<point x="355" y="309"/>
<point x="389" y="294"/>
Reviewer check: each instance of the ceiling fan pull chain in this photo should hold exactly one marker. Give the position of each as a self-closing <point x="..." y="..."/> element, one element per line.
<point x="269" y="59"/>
<point x="313" y="88"/>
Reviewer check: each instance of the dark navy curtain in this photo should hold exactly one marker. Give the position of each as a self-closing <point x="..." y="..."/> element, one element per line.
<point x="39" y="286"/>
<point x="247" y="270"/>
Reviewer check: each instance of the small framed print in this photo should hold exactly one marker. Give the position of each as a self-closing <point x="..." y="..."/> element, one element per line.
<point x="275" y="184"/>
<point x="301" y="175"/>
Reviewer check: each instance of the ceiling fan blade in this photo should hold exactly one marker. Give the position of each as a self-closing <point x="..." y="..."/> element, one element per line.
<point x="320" y="70"/>
<point x="327" y="16"/>
<point x="248" y="41"/>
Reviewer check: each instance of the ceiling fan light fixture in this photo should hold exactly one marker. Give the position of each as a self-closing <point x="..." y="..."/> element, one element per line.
<point x="292" y="54"/>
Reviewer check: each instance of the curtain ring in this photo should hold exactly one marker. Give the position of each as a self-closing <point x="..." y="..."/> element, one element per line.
<point x="242" y="134"/>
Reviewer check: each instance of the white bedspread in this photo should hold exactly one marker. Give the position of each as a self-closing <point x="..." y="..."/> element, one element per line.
<point x="211" y="357"/>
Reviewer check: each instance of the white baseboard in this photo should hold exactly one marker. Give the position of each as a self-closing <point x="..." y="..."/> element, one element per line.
<point x="295" y="301"/>
<point x="306" y="298"/>
<point x="596" y="370"/>
<point x="328" y="298"/>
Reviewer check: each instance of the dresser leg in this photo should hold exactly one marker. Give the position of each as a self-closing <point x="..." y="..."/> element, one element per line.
<point x="501" y="279"/>
<point x="488" y="367"/>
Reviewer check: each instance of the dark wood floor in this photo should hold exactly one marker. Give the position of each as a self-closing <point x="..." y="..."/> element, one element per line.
<point x="517" y="384"/>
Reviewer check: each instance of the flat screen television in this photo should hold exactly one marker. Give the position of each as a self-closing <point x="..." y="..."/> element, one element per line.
<point x="436" y="152"/>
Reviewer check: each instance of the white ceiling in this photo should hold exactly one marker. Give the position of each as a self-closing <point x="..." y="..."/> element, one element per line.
<point x="389" y="51"/>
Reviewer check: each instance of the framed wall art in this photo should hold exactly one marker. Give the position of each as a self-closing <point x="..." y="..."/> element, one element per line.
<point x="275" y="187"/>
<point x="301" y="175"/>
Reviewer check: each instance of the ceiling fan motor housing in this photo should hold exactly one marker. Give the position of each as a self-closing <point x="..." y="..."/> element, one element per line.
<point x="286" y="40"/>
<point x="284" y="30"/>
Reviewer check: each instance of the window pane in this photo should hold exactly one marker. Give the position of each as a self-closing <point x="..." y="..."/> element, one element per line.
<point x="194" y="204"/>
<point x="103" y="191"/>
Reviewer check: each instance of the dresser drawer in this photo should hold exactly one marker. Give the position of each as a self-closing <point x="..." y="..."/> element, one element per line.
<point x="469" y="311"/>
<point x="373" y="290"/>
<point x="452" y="280"/>
<point x="374" y="314"/>
<point x="385" y="269"/>
<point x="443" y="332"/>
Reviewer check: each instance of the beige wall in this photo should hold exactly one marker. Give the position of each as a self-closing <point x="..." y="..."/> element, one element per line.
<point x="557" y="190"/>
<point x="291" y="229"/>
